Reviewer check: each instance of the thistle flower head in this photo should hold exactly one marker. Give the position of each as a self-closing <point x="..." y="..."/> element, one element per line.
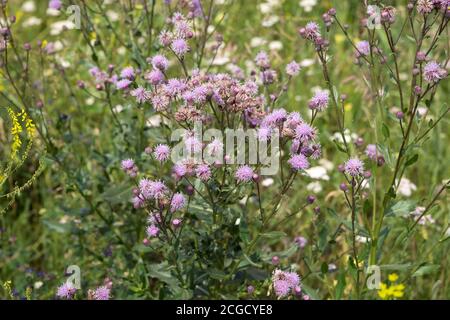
<point x="363" y="48"/>
<point x="320" y="101"/>
<point x="432" y="72"/>
<point x="162" y="152"/>
<point x="66" y="291"/>
<point x="371" y="151"/>
<point x="102" y="293"/>
<point x="160" y="62"/>
<point x="299" y="162"/>
<point x="178" y="202"/>
<point x="180" y="47"/>
<point x="127" y="73"/>
<point x="354" y="167"/>
<point x="244" y="174"/>
<point x="305" y="133"/>
<point x="203" y="172"/>
<point x="292" y="69"/>
<point x="152" y="231"/>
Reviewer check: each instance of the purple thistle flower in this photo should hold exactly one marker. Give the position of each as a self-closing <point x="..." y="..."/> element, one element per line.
<point x="299" y="162"/>
<point x="244" y="174"/>
<point x="162" y="152"/>
<point x="180" y="47"/>
<point x="262" y="60"/>
<point x="432" y="72"/>
<point x="102" y="293"/>
<point x="127" y="164"/>
<point x="281" y="288"/>
<point x="160" y="62"/>
<point x="174" y="87"/>
<point x="123" y="84"/>
<point x="141" y="94"/>
<point x="127" y="73"/>
<point x="155" y="77"/>
<point x="178" y="202"/>
<point x="203" y="172"/>
<point x="310" y="31"/>
<point x="354" y="167"/>
<point x="165" y="38"/>
<point x="66" y="291"/>
<point x="152" y="231"/>
<point x="425" y="6"/>
<point x="264" y="133"/>
<point x="320" y="101"/>
<point x="371" y="151"/>
<point x="176" y="223"/>
<point x="152" y="189"/>
<point x="55" y="4"/>
<point x="293" y="69"/>
<point x="293" y="120"/>
<point x="305" y="133"/>
<point x="301" y="241"/>
<point x="292" y="278"/>
<point x="138" y="202"/>
<point x="363" y="49"/>
<point x="316" y="151"/>
<point x="179" y="170"/>
<point x="275" y="118"/>
<point x="160" y="102"/>
<point x="199" y="94"/>
<point x="284" y="282"/>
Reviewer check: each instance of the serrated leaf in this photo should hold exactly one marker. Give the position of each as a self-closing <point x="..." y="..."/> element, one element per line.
<point x="400" y="208"/>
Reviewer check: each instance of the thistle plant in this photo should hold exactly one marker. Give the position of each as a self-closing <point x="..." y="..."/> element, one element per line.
<point x="168" y="157"/>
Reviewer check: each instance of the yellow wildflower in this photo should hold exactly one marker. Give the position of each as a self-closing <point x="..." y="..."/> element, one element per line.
<point x="393" y="277"/>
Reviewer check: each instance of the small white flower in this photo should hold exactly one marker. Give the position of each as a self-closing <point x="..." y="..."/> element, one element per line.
<point x="317" y="172"/>
<point x="58" y="27"/>
<point x="275" y="45"/>
<point x="38" y="284"/>
<point x="307" y="62"/>
<point x="29" y="6"/>
<point x="327" y="164"/>
<point x="257" y="42"/>
<point x="267" y="182"/>
<point x="406" y="187"/>
<point x="270" y="21"/>
<point x="314" y="187"/>
<point x="307" y="5"/>
<point x="31" y="22"/>
<point x="53" y="12"/>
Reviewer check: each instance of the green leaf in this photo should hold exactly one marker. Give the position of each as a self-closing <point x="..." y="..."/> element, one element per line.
<point x="162" y="272"/>
<point x="324" y="268"/>
<point x="385" y="131"/>
<point x="340" y="286"/>
<point x="216" y="274"/>
<point x="412" y="160"/>
<point x="274" y="235"/>
<point x="425" y="270"/>
<point x="400" y="208"/>
<point x="340" y="148"/>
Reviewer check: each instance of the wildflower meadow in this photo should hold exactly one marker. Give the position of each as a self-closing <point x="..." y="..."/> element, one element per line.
<point x="224" y="149"/>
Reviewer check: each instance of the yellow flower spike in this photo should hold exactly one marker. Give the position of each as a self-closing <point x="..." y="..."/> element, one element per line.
<point x="393" y="277"/>
<point x="44" y="44"/>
